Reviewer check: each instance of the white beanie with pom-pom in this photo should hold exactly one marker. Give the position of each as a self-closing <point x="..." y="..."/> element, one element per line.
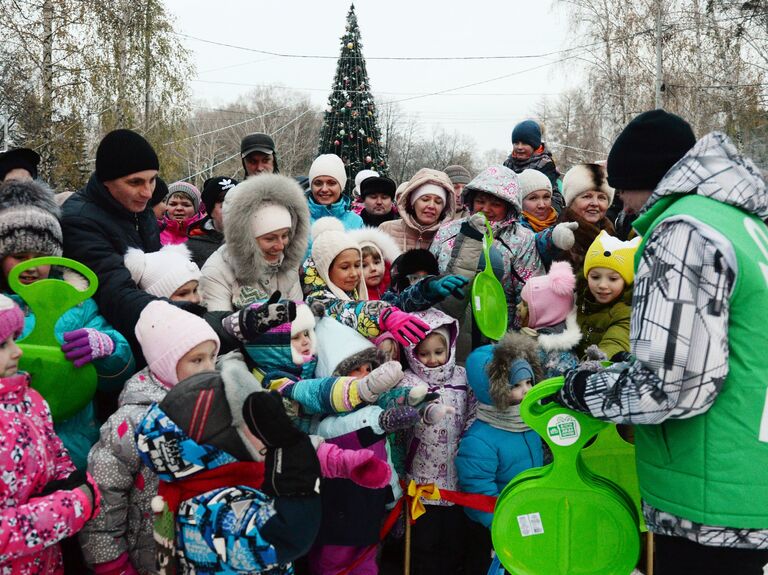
<point x="328" y="240"/>
<point x="161" y="273"/>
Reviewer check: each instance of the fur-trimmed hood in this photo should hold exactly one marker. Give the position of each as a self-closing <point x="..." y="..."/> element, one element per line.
<point x="403" y="199"/>
<point x="382" y="241"/>
<point x="241" y="203"/>
<point x="565" y="340"/>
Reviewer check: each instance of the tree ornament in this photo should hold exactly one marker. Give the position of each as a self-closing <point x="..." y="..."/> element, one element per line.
<point x="349" y="104"/>
<point x="368" y="159"/>
<point x="341" y="132"/>
<point x="369" y="139"/>
<point x="369" y="114"/>
<point x="350" y="45"/>
<point x="336" y="143"/>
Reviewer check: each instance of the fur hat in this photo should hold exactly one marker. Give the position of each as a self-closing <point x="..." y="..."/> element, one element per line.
<point x="185" y="189"/>
<point x="411" y="262"/>
<point x="377" y="185"/>
<point x="550" y="298"/>
<point x="513" y="347"/>
<point x="29" y="219"/>
<point x="208" y="407"/>
<point x="528" y="132"/>
<point x="532" y="181"/>
<point x="11" y="319"/>
<point x="329" y="165"/>
<point x="124" y="152"/>
<point x="328" y="240"/>
<point x="166" y="333"/>
<point x="583" y="178"/>
<point x="610" y="252"/>
<point x="19" y="158"/>
<point x="161" y="273"/>
<point x="340" y="343"/>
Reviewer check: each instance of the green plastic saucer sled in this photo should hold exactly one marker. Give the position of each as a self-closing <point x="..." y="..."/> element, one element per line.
<point x="489" y="303"/>
<point x="562" y="519"/>
<point x="66" y="388"/>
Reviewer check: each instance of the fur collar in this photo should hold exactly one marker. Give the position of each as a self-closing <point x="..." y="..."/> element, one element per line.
<point x="241" y="203"/>
<point x="564" y="341"/>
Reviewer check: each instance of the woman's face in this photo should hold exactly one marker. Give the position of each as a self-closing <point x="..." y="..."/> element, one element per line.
<point x="428" y="208"/>
<point x="326" y="190"/>
<point x="180" y="207"/>
<point x="538" y="204"/>
<point x="273" y="244"/>
<point x="345" y="270"/>
<point x="495" y="209"/>
<point x="591" y="205"/>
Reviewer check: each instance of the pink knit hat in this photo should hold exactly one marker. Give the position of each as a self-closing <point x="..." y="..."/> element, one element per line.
<point x="11" y="319"/>
<point x="550" y="298"/>
<point x="166" y="333"/>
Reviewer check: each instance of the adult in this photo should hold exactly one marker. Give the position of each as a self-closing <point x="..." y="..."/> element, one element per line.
<point x="377" y="196"/>
<point x="108" y="216"/>
<point x="458" y="244"/>
<point x="266" y="224"/>
<point x="207" y="235"/>
<point x="19" y="164"/>
<point x="460" y="177"/>
<point x="157" y="203"/>
<point x="695" y="383"/>
<point x="257" y="152"/>
<point x="425" y="202"/>
<point x="528" y="151"/>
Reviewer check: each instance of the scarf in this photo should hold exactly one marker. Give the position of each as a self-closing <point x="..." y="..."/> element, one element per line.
<point x="541" y="225"/>
<point x="507" y="420"/>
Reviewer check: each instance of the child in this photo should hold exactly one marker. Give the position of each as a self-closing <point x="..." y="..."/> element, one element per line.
<point x="547" y="313"/>
<point x="499" y="445"/>
<point x="379" y="251"/>
<point x="438" y="545"/>
<point x="168" y="273"/>
<point x="176" y="345"/>
<point x="603" y="316"/>
<point x="29" y="228"/>
<point x="333" y="277"/>
<point x="238" y="482"/>
<point x="43" y="499"/>
<point x="182" y="210"/>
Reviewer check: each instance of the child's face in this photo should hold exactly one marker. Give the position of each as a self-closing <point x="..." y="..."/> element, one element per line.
<point x="9" y="357"/>
<point x="373" y="269"/>
<point x="302" y="343"/>
<point x="180" y="207"/>
<point x="360" y="371"/>
<point x="200" y="358"/>
<point x="518" y="391"/>
<point x="432" y="351"/>
<point x="605" y="285"/>
<point x="522" y="313"/>
<point x="345" y="270"/>
<point x="30" y="275"/>
<point x="187" y="292"/>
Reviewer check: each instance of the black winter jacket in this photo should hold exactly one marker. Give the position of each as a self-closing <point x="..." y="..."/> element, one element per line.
<point x="97" y="232"/>
<point x="203" y="240"/>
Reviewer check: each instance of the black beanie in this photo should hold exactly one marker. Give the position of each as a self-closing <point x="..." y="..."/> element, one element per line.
<point x="647" y="148"/>
<point x="123" y="152"/>
<point x="23" y="158"/>
<point x="161" y="190"/>
<point x="213" y="189"/>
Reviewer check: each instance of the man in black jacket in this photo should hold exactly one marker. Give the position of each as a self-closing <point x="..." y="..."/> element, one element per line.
<point x="108" y="216"/>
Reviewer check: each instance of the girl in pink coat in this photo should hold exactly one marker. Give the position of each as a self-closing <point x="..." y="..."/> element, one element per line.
<point x="42" y="498"/>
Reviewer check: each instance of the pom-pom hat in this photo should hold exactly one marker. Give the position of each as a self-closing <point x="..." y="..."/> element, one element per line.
<point x="11" y="319"/>
<point x="328" y="240"/>
<point x="161" y="273"/>
<point x="550" y="298"/>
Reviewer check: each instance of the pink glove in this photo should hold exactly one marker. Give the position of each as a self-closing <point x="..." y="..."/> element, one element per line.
<point x="86" y="344"/>
<point x="404" y="327"/>
<point x="120" y="566"/>
<point x="360" y="465"/>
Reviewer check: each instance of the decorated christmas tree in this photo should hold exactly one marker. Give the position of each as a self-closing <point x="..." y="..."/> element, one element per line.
<point x="349" y="126"/>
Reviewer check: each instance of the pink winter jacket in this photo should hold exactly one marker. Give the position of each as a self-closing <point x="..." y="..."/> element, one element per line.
<point x="31" y="455"/>
<point x="173" y="232"/>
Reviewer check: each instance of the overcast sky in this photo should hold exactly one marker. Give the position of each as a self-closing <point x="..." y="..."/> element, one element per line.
<point x="403" y="28"/>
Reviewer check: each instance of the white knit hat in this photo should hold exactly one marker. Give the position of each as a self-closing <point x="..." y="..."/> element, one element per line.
<point x="270" y="217"/>
<point x="583" y="178"/>
<point x="341" y="342"/>
<point x="425" y="189"/>
<point x="363" y="175"/>
<point x="329" y="165"/>
<point x="163" y="272"/>
<point x="532" y="181"/>
<point x="305" y="320"/>
<point x="328" y="240"/>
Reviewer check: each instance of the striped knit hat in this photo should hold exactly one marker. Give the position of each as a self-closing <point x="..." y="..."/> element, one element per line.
<point x="188" y="190"/>
<point x="29" y="219"/>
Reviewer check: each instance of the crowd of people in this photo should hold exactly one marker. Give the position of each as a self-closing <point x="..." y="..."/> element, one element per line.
<point x="274" y="360"/>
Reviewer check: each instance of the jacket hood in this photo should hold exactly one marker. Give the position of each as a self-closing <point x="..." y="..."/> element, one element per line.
<point x="143" y="389"/>
<point x="426" y="176"/>
<point x="501" y="182"/>
<point x="713" y="168"/>
<point x="172" y="454"/>
<point x="382" y="241"/>
<point x="434" y="319"/>
<point x="240" y="205"/>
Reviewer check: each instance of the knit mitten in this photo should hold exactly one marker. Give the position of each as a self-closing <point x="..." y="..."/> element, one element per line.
<point x="86" y="344"/>
<point x="259" y="318"/>
<point x="360" y="465"/>
<point x="381" y="379"/>
<point x="595" y="353"/>
<point x="397" y="418"/>
<point x="562" y="235"/>
<point x="436" y="412"/>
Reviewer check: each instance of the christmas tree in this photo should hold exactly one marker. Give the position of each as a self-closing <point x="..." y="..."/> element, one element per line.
<point x="349" y="126"/>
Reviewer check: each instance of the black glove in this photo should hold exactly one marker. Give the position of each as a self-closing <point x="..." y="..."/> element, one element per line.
<point x="621" y="357"/>
<point x="258" y="318"/>
<point x="193" y="308"/>
<point x="291" y="467"/>
<point x="75" y="479"/>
